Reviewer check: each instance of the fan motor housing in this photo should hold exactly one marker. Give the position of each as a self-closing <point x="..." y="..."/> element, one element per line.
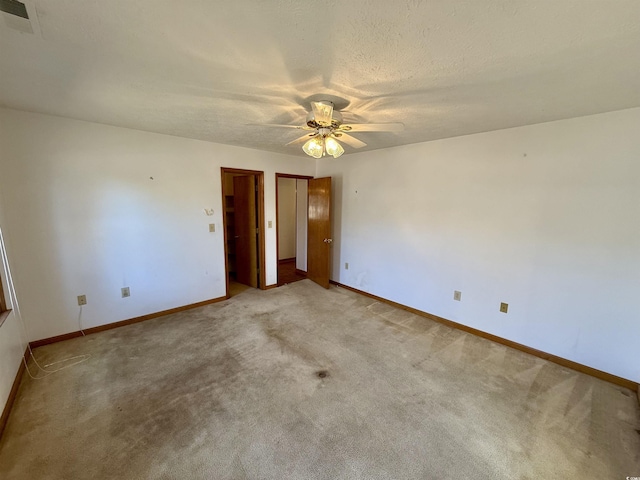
<point x="336" y="120"/>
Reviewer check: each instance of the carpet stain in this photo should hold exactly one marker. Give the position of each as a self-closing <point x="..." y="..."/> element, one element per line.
<point x="288" y="346"/>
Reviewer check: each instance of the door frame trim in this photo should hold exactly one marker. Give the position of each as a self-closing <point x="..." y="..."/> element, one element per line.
<point x="278" y="176"/>
<point x="261" y="221"/>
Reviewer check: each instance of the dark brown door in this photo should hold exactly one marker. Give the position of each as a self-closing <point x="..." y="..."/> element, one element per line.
<point x="245" y="231"/>
<point x="319" y="231"/>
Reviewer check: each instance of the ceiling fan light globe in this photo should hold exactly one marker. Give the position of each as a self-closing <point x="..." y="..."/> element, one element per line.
<point x="333" y="147"/>
<point x="314" y="147"/>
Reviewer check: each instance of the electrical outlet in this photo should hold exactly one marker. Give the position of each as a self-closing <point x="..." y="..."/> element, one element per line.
<point x="346" y="265"/>
<point x="212" y="227"/>
<point x="125" y="292"/>
<point x="270" y="224"/>
<point x="457" y="295"/>
<point x="504" y="307"/>
<point x="82" y="300"/>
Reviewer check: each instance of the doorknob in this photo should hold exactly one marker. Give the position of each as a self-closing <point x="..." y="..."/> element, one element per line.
<point x="328" y="240"/>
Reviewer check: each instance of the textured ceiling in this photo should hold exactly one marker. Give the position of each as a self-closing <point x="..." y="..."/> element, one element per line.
<point x="206" y="69"/>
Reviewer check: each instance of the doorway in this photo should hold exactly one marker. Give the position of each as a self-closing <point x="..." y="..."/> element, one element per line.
<point x="243" y="203"/>
<point x="291" y="227"/>
<point x="312" y="226"/>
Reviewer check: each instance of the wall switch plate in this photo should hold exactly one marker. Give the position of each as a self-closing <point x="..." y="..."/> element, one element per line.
<point x="82" y="300"/>
<point x="212" y="227"/>
<point x="270" y="224"/>
<point x="504" y="307"/>
<point x="346" y="265"/>
<point x="125" y="292"/>
<point x="457" y="295"/>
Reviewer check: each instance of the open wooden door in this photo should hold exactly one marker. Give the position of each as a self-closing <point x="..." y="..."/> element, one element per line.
<point x="319" y="231"/>
<point x="245" y="232"/>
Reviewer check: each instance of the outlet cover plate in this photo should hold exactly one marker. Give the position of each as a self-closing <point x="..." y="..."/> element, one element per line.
<point x="457" y="295"/>
<point x="504" y="307"/>
<point x="125" y="292"/>
<point x="82" y="300"/>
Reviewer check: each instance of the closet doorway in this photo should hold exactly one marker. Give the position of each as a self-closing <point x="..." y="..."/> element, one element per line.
<point x="243" y="203"/>
<point x="291" y="227"/>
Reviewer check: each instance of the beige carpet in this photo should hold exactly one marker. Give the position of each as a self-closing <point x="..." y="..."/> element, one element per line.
<point x="303" y="383"/>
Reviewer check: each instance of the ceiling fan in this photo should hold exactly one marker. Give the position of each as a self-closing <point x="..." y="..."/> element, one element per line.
<point x="326" y="127"/>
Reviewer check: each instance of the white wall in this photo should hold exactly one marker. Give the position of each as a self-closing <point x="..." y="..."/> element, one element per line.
<point x="543" y="217"/>
<point x="301" y="223"/>
<point x="84" y="216"/>
<point x="286" y="218"/>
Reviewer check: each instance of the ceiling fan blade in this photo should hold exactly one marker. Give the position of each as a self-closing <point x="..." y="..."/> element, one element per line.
<point x="322" y="113"/>
<point x="301" y="139"/>
<point x="349" y="140"/>
<point x="372" y="127"/>
<point x="298" y="127"/>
